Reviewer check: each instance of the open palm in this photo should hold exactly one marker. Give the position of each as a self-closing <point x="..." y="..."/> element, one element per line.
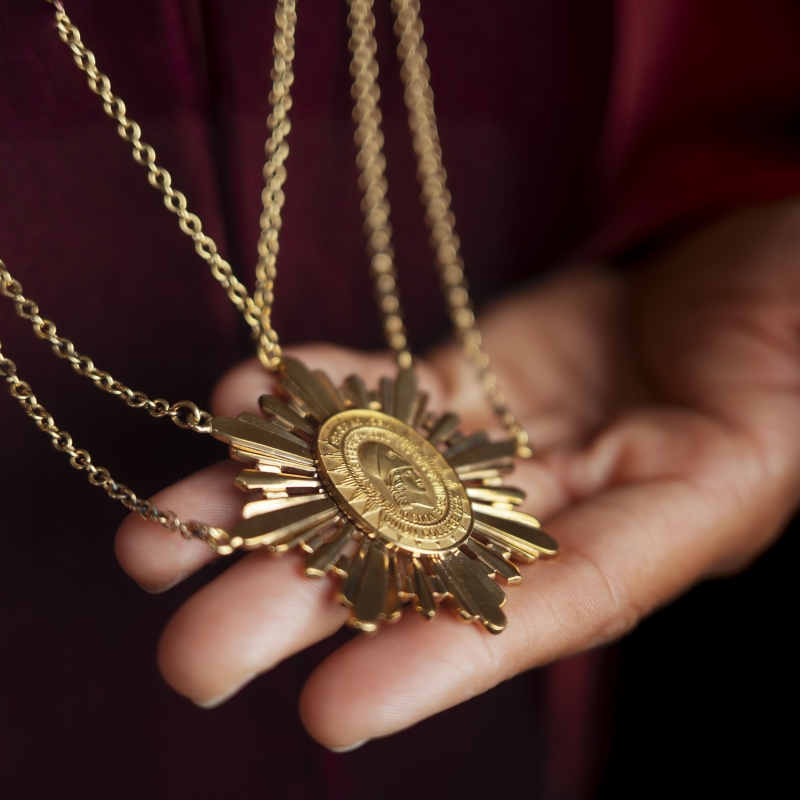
<point x="665" y="409"/>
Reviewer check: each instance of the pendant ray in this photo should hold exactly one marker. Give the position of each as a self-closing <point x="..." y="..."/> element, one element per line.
<point x="303" y="385"/>
<point x="533" y="542"/>
<point x="299" y="539"/>
<point x="493" y="476"/>
<point x="370" y="601"/>
<point x="420" y="406"/>
<point x="272" y="427"/>
<point x="249" y="479"/>
<point x="437" y="587"/>
<point x="357" y="391"/>
<point x="251" y="438"/>
<point x="487" y="495"/>
<point x="481" y="573"/>
<point x="405" y="570"/>
<point x="500" y="567"/>
<point x="396" y="573"/>
<point x="386" y="396"/>
<point x="273" y="407"/>
<point x="405" y="393"/>
<point x="500" y="549"/>
<point x="423" y="594"/>
<point x="330" y="388"/>
<point x="320" y="561"/>
<point x="471" y="596"/>
<point x="349" y="589"/>
<point x="342" y="566"/>
<point x="274" y="467"/>
<point x="484" y="456"/>
<point x="445" y="425"/>
<point x="393" y="609"/>
<point x="511" y="514"/>
<point x="269" y="528"/>
<point x="467" y="443"/>
<point x="458" y="599"/>
<point x="257" y="508"/>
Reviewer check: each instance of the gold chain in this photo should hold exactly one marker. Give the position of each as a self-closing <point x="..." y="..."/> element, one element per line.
<point x="372" y="181"/>
<point x="184" y="413"/>
<point x="80" y="459"/>
<point x="158" y="177"/>
<point x="432" y="178"/>
<point x="257" y="310"/>
<point x="276" y="150"/>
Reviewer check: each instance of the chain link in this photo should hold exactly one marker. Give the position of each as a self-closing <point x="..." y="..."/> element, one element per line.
<point x="158" y="177"/>
<point x="273" y="197"/>
<point x="80" y="459"/>
<point x="257" y="310"/>
<point x="435" y="195"/>
<point x="372" y="181"/>
<point x="184" y="413"/>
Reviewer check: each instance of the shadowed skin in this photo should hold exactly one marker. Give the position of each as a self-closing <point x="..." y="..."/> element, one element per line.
<point x="665" y="407"/>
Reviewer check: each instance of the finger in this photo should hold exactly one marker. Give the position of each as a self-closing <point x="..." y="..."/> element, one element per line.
<point x="157" y="560"/>
<point x="570" y="328"/>
<point x="644" y="532"/>
<point x="241" y="387"/>
<point x="252" y="617"/>
<point x="615" y="566"/>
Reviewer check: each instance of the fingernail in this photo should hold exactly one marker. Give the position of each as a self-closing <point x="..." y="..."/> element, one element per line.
<point x="164" y="587"/>
<point x="349" y="747"/>
<point x="222" y="698"/>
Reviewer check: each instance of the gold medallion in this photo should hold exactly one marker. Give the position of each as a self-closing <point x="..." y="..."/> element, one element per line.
<point x="391" y="498"/>
<point x="393" y="483"/>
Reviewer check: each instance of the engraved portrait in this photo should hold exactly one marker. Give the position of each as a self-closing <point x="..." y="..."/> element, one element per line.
<point x="396" y="476"/>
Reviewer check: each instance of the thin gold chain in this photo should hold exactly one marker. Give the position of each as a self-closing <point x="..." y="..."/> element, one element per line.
<point x="372" y="180"/>
<point x="158" y="177"/>
<point x="184" y="413"/>
<point x="257" y="310"/>
<point x="80" y="459"/>
<point x="272" y="196"/>
<point x="432" y="178"/>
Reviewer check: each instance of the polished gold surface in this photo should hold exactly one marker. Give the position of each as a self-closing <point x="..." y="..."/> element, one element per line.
<point x="497" y="564"/>
<point x="321" y="561"/>
<point x="392" y="482"/>
<point x="435" y="195"/>
<point x="397" y="397"/>
<point x="369" y="603"/>
<point x="373" y="487"/>
<point x="379" y="503"/>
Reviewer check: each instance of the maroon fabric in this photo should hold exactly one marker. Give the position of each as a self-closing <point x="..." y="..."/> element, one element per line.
<point x="521" y="100"/>
<point x="92" y="243"/>
<point x="704" y="117"/>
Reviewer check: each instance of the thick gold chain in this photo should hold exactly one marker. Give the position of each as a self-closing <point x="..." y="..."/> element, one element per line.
<point x="432" y="177"/>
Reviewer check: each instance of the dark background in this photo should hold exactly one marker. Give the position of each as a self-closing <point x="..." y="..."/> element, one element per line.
<point x="698" y="700"/>
<point x="705" y="700"/>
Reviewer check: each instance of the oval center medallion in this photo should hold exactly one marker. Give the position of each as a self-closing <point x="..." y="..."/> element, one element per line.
<point x="392" y="482"/>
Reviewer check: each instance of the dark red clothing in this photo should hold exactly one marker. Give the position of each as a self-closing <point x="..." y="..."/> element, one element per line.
<point x="565" y="128"/>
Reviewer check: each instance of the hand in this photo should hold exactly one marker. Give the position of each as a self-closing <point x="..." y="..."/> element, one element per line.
<point x="665" y="407"/>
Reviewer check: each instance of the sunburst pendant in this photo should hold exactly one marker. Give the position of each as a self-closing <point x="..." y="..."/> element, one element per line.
<point x="391" y="498"/>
